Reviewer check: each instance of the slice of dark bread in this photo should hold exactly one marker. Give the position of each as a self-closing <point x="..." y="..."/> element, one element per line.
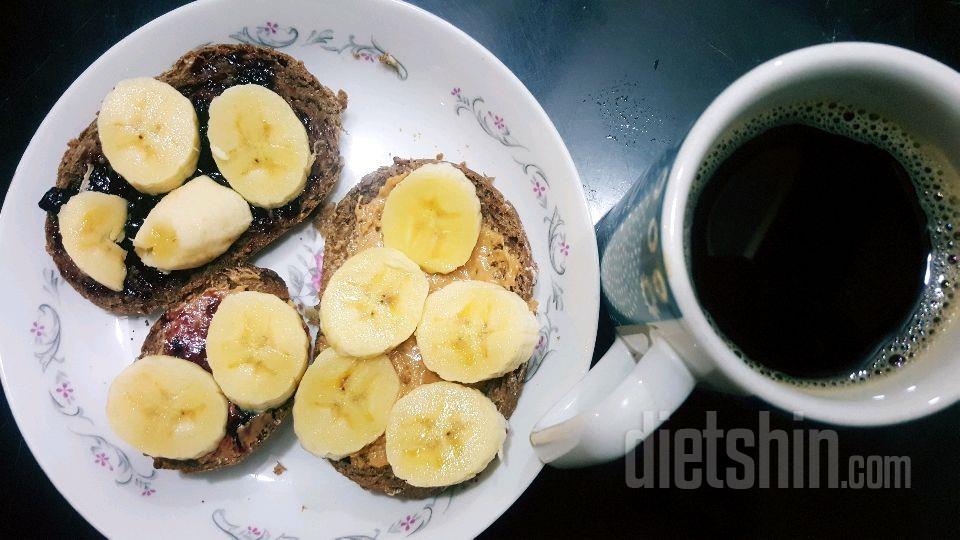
<point x="181" y="331"/>
<point x="341" y="237"/>
<point x="201" y="75"/>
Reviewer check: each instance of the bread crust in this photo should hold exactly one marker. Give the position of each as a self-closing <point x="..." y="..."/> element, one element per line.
<point x="201" y="75"/>
<point x="340" y="230"/>
<point x="250" y="434"/>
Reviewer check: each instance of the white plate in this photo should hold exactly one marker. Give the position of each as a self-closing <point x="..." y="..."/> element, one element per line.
<point x="58" y="353"/>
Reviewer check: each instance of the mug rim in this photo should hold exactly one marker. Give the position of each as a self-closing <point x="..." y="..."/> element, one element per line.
<point x="706" y="130"/>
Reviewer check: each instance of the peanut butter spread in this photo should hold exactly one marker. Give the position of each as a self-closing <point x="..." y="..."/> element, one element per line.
<point x="490" y="261"/>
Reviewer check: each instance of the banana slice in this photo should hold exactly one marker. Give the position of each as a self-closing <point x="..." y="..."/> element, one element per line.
<point x="91" y="224"/>
<point x="441" y="434"/>
<point x="343" y="403"/>
<point x="149" y="134"/>
<point x="373" y="302"/>
<point x="167" y="407"/>
<point x="257" y="349"/>
<point x="433" y="216"/>
<point x="259" y="145"/>
<point x="192" y="225"/>
<point x="475" y="330"/>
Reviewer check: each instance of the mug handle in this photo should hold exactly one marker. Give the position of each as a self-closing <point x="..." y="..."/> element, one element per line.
<point x="616" y="405"/>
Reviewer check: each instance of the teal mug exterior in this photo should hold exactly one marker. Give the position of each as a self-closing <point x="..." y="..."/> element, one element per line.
<point x="633" y="276"/>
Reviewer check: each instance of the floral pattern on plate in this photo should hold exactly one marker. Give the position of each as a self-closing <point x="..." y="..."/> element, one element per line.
<point x="46" y="333"/>
<point x="241" y="532"/>
<point x="303" y="277"/>
<point x="557" y="246"/>
<point x="271" y="34"/>
<point x="492" y="124"/>
<point x="413" y="522"/>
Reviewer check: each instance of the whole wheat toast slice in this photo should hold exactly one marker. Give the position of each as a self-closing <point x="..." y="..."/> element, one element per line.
<point x="341" y="237"/>
<point x="181" y="332"/>
<point x="201" y="75"/>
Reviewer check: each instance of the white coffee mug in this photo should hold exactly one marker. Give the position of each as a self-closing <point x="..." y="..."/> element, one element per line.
<point x="665" y="345"/>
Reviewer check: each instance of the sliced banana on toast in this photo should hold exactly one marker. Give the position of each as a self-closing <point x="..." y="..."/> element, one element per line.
<point x="442" y="434"/>
<point x="167" y="407"/>
<point x="259" y="145"/>
<point x="150" y="135"/>
<point x="433" y="217"/>
<point x="192" y="225"/>
<point x="373" y="302"/>
<point x="257" y="348"/>
<point x="475" y="330"/>
<point x="91" y="224"/>
<point x="343" y="403"/>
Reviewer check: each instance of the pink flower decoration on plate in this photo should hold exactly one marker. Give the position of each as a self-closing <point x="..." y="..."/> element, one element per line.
<point x="317" y="273"/>
<point x="539" y="189"/>
<point x="147" y="491"/>
<point x="455" y="92"/>
<point x="497" y="121"/>
<point x="254" y="531"/>
<point x="102" y="459"/>
<point x="37" y="329"/>
<point x="65" y="391"/>
<point x="407" y="523"/>
<point x="565" y="249"/>
<point x="271" y="27"/>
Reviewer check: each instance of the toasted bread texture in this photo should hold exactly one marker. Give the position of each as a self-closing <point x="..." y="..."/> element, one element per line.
<point x="341" y="236"/>
<point x="181" y="332"/>
<point x="201" y="75"/>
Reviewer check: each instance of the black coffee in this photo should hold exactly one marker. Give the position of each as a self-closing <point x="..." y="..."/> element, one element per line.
<point x="812" y="251"/>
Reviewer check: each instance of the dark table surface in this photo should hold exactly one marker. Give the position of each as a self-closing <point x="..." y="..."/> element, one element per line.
<point x="622" y="81"/>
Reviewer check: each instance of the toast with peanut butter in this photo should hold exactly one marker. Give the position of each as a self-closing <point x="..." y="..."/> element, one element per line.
<point x="182" y="332"/>
<point x="501" y="256"/>
<point x="129" y="261"/>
